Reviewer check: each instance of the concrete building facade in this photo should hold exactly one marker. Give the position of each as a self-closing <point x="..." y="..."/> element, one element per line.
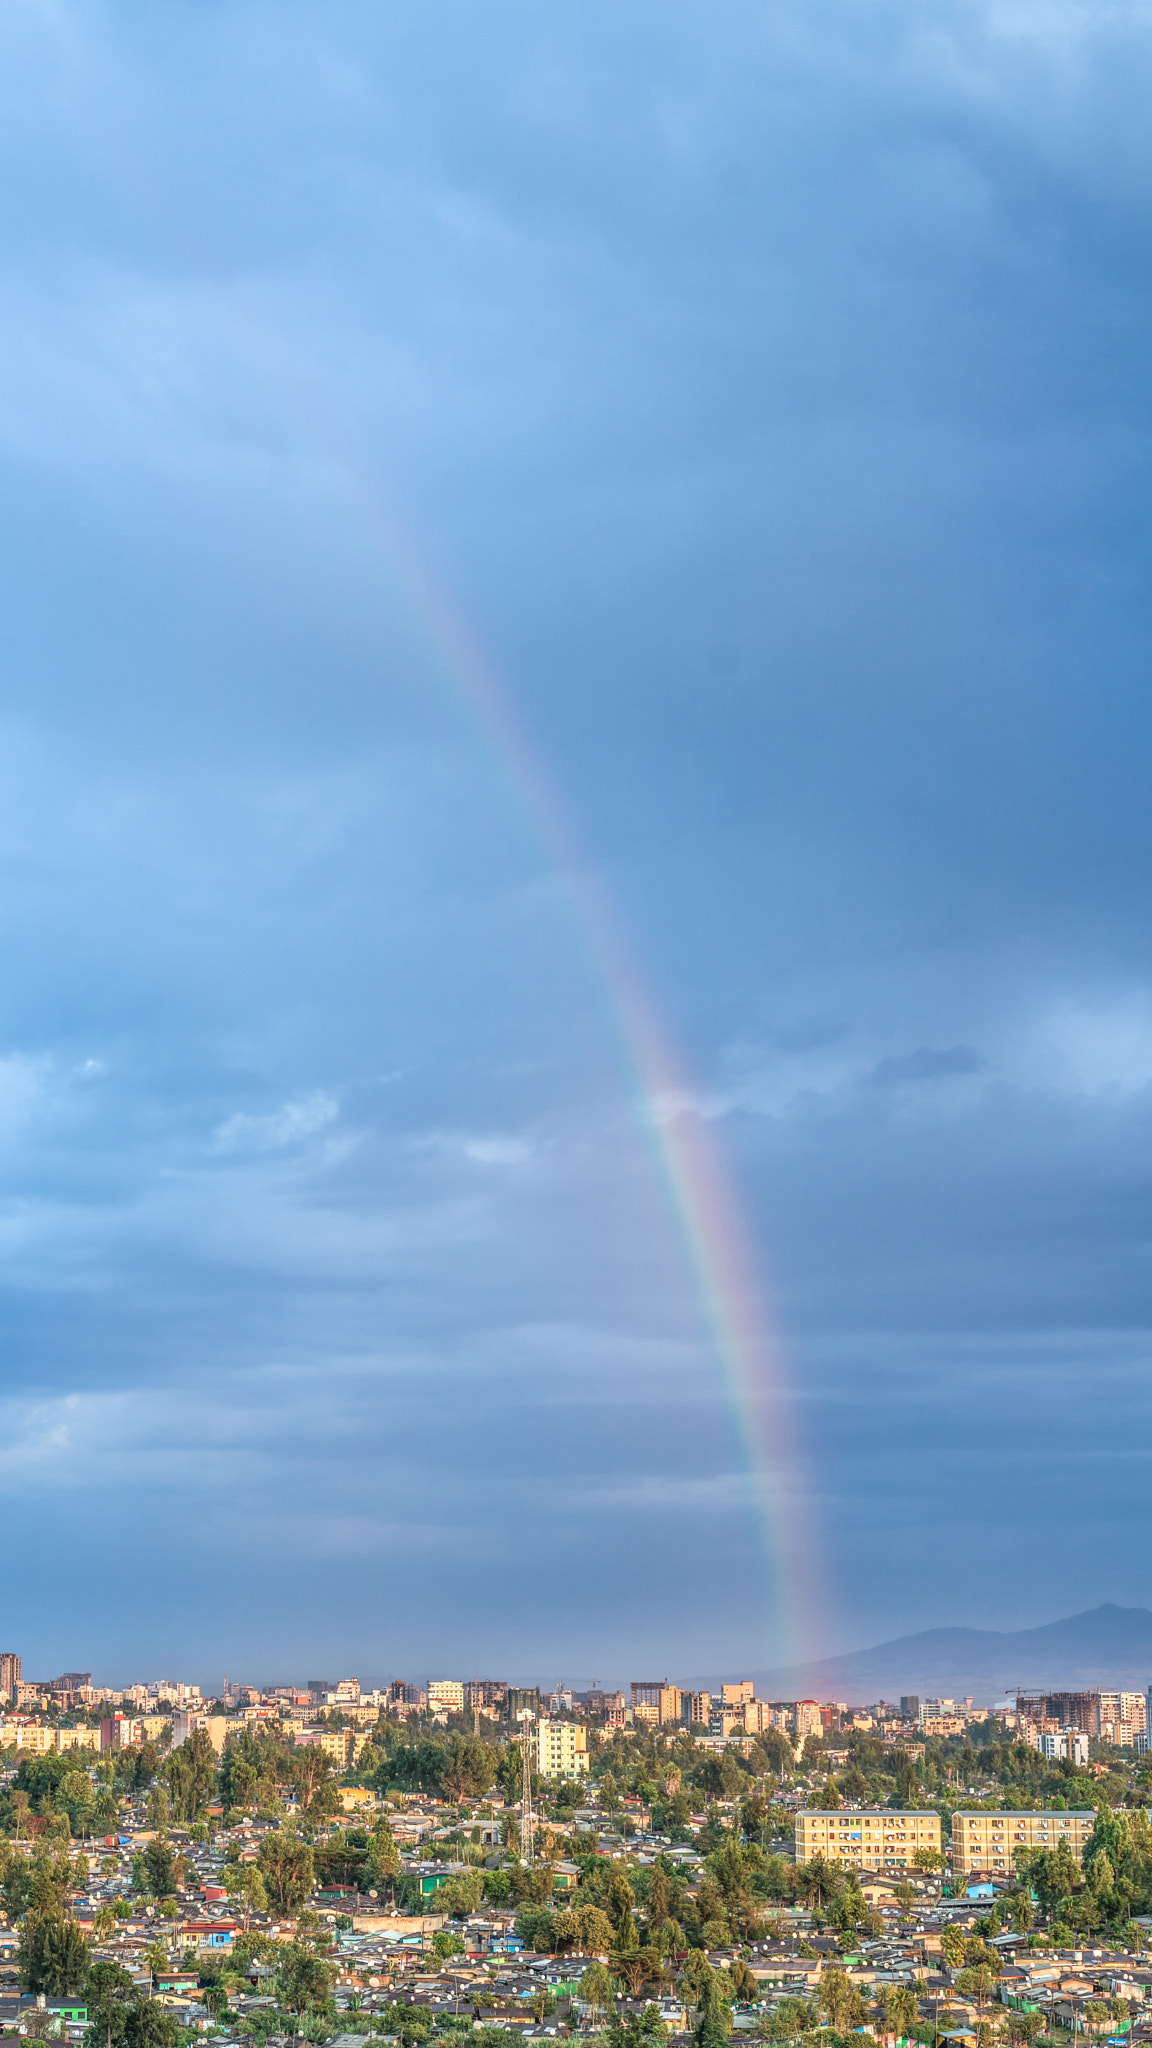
<point x="866" y="1838"/>
<point x="988" y="1841"/>
<point x="561" y="1749"/>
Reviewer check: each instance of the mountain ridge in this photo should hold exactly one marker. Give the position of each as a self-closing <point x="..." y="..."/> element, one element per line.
<point x="1109" y="1646"/>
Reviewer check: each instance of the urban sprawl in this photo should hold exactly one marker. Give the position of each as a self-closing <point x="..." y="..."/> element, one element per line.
<point x="417" y="1863"/>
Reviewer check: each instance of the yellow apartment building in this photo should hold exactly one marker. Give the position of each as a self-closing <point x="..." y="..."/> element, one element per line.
<point x="446" y="1694"/>
<point x="988" y="1841"/>
<point x="866" y="1838"/>
<point x="561" y="1749"/>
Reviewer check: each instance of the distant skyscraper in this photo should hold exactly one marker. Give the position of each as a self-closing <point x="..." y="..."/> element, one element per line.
<point x="10" y="1667"/>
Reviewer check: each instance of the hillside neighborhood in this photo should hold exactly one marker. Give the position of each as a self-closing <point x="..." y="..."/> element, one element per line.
<point x="418" y="1862"/>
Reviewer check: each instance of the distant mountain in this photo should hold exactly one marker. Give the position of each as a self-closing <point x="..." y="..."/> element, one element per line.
<point x="1107" y="1646"/>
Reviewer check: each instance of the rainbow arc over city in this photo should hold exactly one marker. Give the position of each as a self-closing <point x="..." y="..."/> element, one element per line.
<point x="683" y="1143"/>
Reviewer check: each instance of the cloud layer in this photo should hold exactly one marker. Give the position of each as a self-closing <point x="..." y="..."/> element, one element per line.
<point x="766" y="391"/>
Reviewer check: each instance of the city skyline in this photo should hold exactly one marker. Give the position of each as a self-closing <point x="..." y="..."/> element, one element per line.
<point x="1091" y="1653"/>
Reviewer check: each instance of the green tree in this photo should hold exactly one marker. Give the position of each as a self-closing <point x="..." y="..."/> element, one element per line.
<point x="1053" y="1874"/>
<point x="696" y="1975"/>
<point x="469" y="1768"/>
<point x="793" y="2016"/>
<point x="142" y="1765"/>
<point x="741" y="1987"/>
<point x="592" y="1928"/>
<point x="287" y="1871"/>
<point x="637" y="1967"/>
<point x="932" y="1862"/>
<point x="620" y="1902"/>
<point x="163" y="1869"/>
<point x="52" y="1955"/>
<point x="714" y="2019"/>
<point x="636" y="2029"/>
<point x="459" y="1896"/>
<point x="977" y="1983"/>
<point x="731" y="1775"/>
<point x="243" y="1883"/>
<point x="77" y="1796"/>
<point x="149" y="2025"/>
<point x="596" y="1989"/>
<point x="190" y="1776"/>
<point x="110" y="1991"/>
<point x="952" y="1946"/>
<point x="841" y="2000"/>
<point x="1024" y="2027"/>
<point x="818" y="1880"/>
<point x="899" y="2009"/>
<point x="156" y="1957"/>
<point x="311" y="1771"/>
<point x="977" y="1955"/>
<point x="536" y="1927"/>
<point x="303" y="1981"/>
<point x="382" y="1867"/>
<point x="729" y="1870"/>
<point x="754" y="1816"/>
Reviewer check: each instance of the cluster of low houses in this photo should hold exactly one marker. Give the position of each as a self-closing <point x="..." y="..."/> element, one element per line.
<point x="381" y="1956"/>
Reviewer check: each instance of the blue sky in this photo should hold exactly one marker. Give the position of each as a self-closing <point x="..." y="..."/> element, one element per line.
<point x="766" y="386"/>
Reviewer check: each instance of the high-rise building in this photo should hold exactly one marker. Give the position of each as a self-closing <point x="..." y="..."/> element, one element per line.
<point x="1121" y="1716"/>
<point x="653" y="1699"/>
<point x="186" y="1719"/>
<point x="481" y="1695"/>
<point x="735" y="1695"/>
<point x="909" y="1705"/>
<point x="446" y="1694"/>
<point x="597" y="1701"/>
<point x="401" y="1697"/>
<point x="10" y="1667"/>
<point x="726" y="1721"/>
<point x="1052" y="1711"/>
<point x="521" y="1699"/>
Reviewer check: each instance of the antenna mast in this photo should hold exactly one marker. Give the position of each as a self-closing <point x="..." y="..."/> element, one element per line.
<point x="527" y="1820"/>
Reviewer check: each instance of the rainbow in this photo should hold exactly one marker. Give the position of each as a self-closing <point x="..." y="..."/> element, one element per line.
<point x="698" y="1183"/>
